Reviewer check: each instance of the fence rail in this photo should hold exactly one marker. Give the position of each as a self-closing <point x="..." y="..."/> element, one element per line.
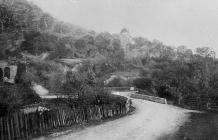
<point x="20" y="126"/>
<point x="200" y="103"/>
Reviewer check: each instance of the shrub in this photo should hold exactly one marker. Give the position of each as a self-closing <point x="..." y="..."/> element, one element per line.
<point x="13" y="97"/>
<point x="143" y="83"/>
<point x="119" y="82"/>
<point x="116" y="82"/>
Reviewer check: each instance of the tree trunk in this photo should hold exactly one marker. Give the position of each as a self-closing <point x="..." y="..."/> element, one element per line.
<point x="46" y="25"/>
<point x="2" y="27"/>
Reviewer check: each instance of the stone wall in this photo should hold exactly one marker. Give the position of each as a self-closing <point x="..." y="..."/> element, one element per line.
<point x="149" y="98"/>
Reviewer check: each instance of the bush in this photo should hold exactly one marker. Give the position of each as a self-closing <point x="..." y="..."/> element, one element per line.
<point x="143" y="83"/>
<point x="13" y="97"/>
<point x="119" y="82"/>
<point x="116" y="82"/>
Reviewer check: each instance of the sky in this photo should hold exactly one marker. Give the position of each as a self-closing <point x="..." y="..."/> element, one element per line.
<point x="193" y="23"/>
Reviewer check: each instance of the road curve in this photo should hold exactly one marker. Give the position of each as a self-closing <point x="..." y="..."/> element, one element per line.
<point x="149" y="122"/>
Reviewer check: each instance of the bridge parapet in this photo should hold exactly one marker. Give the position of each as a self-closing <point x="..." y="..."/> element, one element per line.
<point x="149" y="98"/>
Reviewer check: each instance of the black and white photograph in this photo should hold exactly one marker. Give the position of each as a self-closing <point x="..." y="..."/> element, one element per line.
<point x="108" y="69"/>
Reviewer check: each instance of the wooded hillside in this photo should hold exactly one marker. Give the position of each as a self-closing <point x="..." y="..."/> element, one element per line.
<point x="29" y="33"/>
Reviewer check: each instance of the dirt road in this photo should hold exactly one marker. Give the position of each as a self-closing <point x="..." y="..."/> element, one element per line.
<point x="149" y="122"/>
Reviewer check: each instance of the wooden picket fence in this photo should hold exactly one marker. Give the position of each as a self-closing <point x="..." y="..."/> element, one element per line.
<point x="20" y="126"/>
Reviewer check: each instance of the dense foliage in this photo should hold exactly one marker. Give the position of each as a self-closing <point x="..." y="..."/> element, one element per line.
<point x="13" y="97"/>
<point x="184" y="75"/>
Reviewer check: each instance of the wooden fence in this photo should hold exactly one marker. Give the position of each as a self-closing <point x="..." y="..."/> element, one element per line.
<point x="200" y="103"/>
<point x="20" y="126"/>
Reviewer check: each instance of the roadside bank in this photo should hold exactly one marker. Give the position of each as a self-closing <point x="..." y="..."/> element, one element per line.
<point x="199" y="126"/>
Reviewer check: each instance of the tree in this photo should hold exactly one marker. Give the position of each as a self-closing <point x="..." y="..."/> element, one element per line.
<point x="140" y="42"/>
<point x="118" y="54"/>
<point x="168" y="53"/>
<point x="144" y="83"/>
<point x="46" y="22"/>
<point x="13" y="97"/>
<point x="80" y="83"/>
<point x="205" y="52"/>
<point x="6" y="18"/>
<point x="183" y="53"/>
<point x="103" y="42"/>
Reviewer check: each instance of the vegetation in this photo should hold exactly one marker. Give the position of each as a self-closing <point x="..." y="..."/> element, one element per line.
<point x="13" y="97"/>
<point x="184" y="75"/>
<point x="28" y="34"/>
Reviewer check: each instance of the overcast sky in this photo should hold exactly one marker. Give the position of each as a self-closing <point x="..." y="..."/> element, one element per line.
<point x="193" y="23"/>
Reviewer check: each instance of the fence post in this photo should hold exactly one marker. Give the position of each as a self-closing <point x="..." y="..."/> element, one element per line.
<point x="1" y="129"/>
<point x="51" y="114"/>
<point x="49" y="120"/>
<point x="54" y="119"/>
<point x="4" y="128"/>
<point x="44" y="122"/>
<point x="11" y="126"/>
<point x="39" y="117"/>
<point x="21" y="126"/>
<point x="57" y="118"/>
<point x="26" y="126"/>
<point x="61" y="117"/>
<point x="16" y="126"/>
<point x="8" y="128"/>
